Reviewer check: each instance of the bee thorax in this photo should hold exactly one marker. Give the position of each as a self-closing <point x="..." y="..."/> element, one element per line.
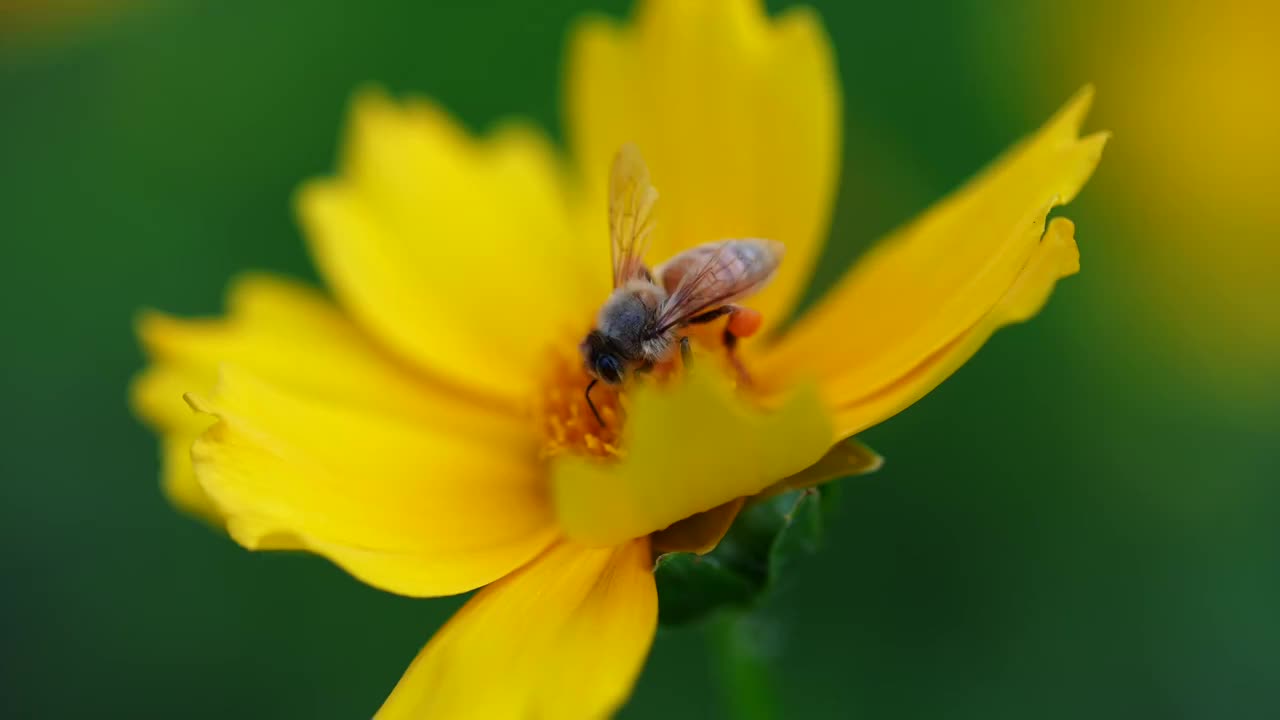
<point x="656" y="348"/>
<point x="628" y="317"/>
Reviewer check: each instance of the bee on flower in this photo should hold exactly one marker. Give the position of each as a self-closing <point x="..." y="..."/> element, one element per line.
<point x="505" y="392"/>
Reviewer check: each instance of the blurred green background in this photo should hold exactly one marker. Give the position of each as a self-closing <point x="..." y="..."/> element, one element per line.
<point x="1081" y="523"/>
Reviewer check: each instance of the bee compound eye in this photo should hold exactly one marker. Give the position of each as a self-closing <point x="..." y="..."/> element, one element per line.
<point x="609" y="368"/>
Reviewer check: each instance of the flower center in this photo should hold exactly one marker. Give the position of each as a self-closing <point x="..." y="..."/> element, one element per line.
<point x="568" y="425"/>
<point x="565" y="417"/>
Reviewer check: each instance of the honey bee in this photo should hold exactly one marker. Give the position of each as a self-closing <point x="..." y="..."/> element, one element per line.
<point x="639" y="325"/>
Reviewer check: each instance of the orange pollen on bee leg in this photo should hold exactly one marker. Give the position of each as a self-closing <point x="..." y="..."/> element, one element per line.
<point x="568" y="425"/>
<point x="744" y="322"/>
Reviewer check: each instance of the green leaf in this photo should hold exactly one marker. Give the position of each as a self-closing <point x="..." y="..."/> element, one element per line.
<point x="803" y="532"/>
<point x="768" y="538"/>
<point x="690" y="585"/>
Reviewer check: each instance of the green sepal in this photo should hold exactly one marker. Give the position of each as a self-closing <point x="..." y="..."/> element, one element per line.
<point x="768" y="538"/>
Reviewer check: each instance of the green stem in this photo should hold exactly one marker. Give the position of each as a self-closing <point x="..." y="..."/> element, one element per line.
<point x="743" y="656"/>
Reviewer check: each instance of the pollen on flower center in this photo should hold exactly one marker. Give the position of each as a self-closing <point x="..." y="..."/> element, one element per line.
<point x="568" y="425"/>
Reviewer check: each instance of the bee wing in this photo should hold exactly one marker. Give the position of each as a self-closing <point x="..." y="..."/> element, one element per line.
<point x="631" y="201"/>
<point x="715" y="274"/>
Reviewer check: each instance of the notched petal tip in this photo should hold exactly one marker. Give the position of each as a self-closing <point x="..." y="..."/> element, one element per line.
<point x="144" y="321"/>
<point x="720" y="176"/>
<point x="741" y="15"/>
<point x="1068" y="122"/>
<point x="376" y="117"/>
<point x="1076" y="109"/>
<point x="310" y="196"/>
<point x="406" y="230"/>
<point x="939" y="276"/>
<point x="156" y="331"/>
<point x="1055" y="257"/>
<point x="1080" y="154"/>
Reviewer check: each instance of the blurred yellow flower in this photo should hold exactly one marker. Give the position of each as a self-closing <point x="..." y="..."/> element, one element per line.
<point x="1192" y="88"/>
<point x="427" y="431"/>
<point x="34" y="22"/>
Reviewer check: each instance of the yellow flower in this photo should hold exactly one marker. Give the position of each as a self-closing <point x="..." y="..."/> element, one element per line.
<point x="428" y="432"/>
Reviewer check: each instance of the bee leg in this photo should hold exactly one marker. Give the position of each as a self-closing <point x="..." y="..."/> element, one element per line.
<point x="590" y="404"/>
<point x="710" y="315"/>
<point x="641" y="373"/>
<point x="743" y="322"/>
<point x="730" y="350"/>
<point x="686" y="352"/>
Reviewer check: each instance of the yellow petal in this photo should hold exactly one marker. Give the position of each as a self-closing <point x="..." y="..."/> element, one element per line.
<point x="272" y="324"/>
<point x="929" y="283"/>
<point x="407" y="506"/>
<point x="562" y="639"/>
<point x="698" y="533"/>
<point x="689" y="448"/>
<point x="1055" y="257"/>
<point x="287" y="333"/>
<point x="846" y="458"/>
<point x="156" y="395"/>
<point x="312" y="357"/>
<point x="737" y="114"/>
<point x="458" y="253"/>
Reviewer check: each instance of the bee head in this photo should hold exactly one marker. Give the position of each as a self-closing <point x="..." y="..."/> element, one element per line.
<point x="602" y="358"/>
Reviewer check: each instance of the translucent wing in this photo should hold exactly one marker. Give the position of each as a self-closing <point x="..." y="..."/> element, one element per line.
<point x="631" y="202"/>
<point x="715" y="274"/>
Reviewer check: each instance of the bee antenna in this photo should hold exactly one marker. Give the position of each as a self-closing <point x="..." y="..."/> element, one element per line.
<point x="590" y="404"/>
